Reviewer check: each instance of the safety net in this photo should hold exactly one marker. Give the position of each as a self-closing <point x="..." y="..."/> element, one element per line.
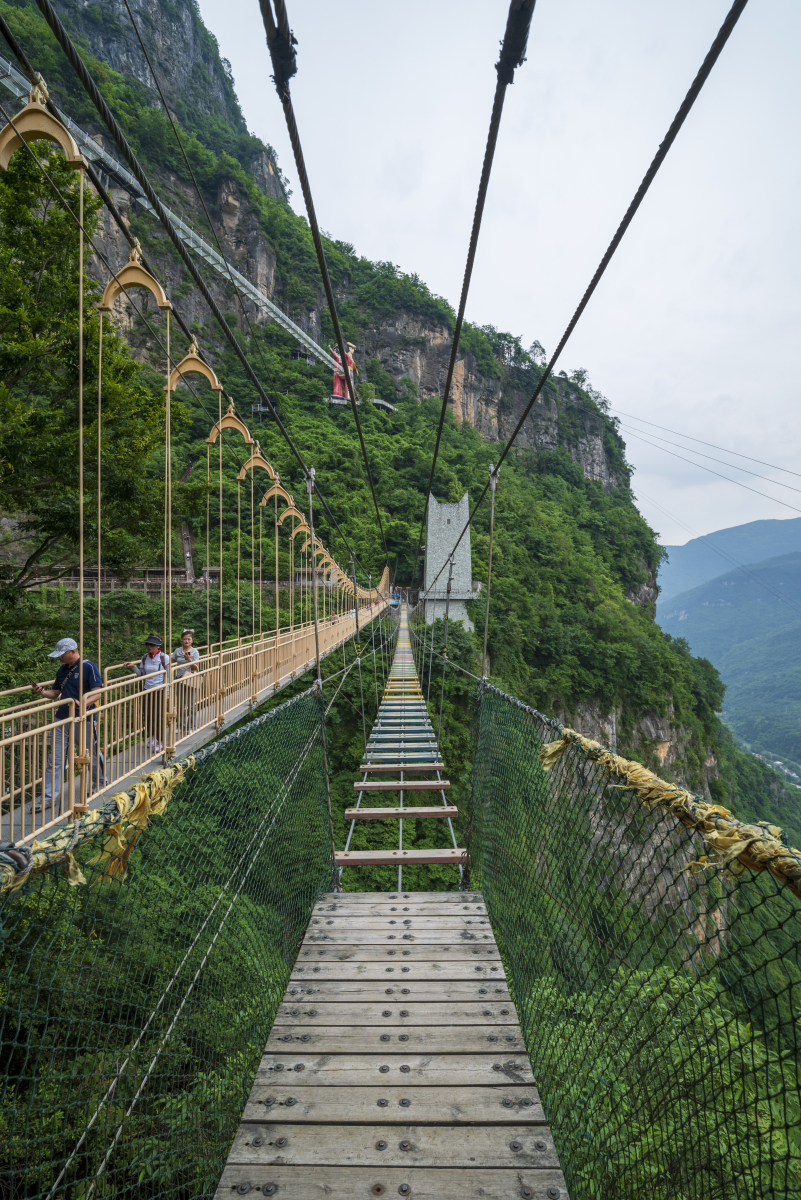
<point x="143" y="956"/>
<point x="652" y="943"/>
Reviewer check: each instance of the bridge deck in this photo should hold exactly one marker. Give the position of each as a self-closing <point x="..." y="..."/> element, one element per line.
<point x="396" y="1064"/>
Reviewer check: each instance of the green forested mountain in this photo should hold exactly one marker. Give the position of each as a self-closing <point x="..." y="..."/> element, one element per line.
<point x="705" y="558"/>
<point x="571" y="620"/>
<point x="747" y="624"/>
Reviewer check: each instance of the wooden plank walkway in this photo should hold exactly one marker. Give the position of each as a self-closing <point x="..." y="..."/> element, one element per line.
<point x="396" y="1064"/>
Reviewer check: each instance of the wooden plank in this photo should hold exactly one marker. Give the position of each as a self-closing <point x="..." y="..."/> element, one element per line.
<point x="437" y="898"/>
<point x="380" y="1145"/>
<point x="428" y="745"/>
<point x="452" y="969"/>
<point x="383" y="953"/>
<point x="395" y="1011"/>
<point x="365" y="1183"/>
<point x="423" y="1070"/>
<point x="436" y="991"/>
<point x="422" y="1039"/>
<point x="401" y="922"/>
<point x="375" y="937"/>
<point x="378" y="858"/>
<point x="372" y="767"/>
<point x="361" y="1105"/>
<point x="392" y="908"/>
<point x="418" y="812"/>
<point x="403" y="785"/>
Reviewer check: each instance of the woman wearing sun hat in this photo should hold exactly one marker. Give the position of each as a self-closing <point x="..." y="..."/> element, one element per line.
<point x="152" y="666"/>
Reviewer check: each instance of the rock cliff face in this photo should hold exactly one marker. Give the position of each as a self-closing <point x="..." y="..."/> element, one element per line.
<point x="409" y="348"/>
<point x="184" y="54"/>
<point x="658" y="740"/>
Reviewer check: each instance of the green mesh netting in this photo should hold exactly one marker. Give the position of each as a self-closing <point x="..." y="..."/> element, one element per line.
<point x="660" y="1004"/>
<point x="135" y="1009"/>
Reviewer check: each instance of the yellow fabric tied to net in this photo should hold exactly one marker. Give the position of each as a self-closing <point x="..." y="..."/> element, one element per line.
<point x="148" y="798"/>
<point x="737" y="846"/>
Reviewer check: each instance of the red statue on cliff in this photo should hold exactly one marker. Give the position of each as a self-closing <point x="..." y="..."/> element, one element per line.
<point x="340" y="387"/>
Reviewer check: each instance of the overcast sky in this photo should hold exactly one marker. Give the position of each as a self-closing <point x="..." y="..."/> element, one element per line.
<point x="695" y="326"/>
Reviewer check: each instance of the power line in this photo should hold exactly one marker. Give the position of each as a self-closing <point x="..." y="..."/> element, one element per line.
<point x="713" y="446"/>
<point x="736" y="482"/>
<point x="281" y="44"/>
<point x="594" y="412"/>
<point x="715" y="51"/>
<point x="513" y="50"/>
<point x="639" y="433"/>
<point x="64" y="40"/>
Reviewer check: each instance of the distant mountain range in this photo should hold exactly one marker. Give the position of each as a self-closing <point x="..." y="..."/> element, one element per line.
<point x="748" y="624"/>
<point x="705" y="558"/>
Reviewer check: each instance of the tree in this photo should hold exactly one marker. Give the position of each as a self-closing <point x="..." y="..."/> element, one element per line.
<point x="39" y="397"/>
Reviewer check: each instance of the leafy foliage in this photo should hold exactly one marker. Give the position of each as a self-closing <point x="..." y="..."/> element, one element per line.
<point x="39" y="397"/>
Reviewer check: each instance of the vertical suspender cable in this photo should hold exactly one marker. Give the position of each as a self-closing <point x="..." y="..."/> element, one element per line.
<point x="99" y="479"/>
<point x="276" y="670"/>
<point x="238" y="550"/>
<point x="80" y="740"/>
<point x="208" y="548"/>
<point x="252" y="593"/>
<point x="445" y="645"/>
<point x="318" y="683"/>
<point x="358" y="647"/>
<point x="220" y="679"/>
<point x="169" y="705"/>
<point x="493" y="482"/>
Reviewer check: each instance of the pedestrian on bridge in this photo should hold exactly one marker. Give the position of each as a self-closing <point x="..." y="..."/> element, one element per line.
<point x="68" y="686"/>
<point x="152" y="666"/>
<point x="186" y="656"/>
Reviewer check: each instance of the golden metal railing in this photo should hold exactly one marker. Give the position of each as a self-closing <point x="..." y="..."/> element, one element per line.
<point x="50" y="769"/>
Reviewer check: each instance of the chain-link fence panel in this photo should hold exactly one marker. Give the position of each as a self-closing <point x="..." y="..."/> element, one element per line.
<point x="141" y="966"/>
<point x="658" y="985"/>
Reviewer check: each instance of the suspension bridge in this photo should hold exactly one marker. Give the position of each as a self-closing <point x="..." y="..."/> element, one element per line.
<point x="583" y="984"/>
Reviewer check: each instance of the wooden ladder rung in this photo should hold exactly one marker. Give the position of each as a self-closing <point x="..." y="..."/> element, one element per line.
<point x="401" y="766"/>
<point x="399" y="814"/>
<point x="397" y="785"/>
<point x="383" y="858"/>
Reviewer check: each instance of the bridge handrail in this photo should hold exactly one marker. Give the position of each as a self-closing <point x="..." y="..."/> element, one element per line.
<point x="132" y="727"/>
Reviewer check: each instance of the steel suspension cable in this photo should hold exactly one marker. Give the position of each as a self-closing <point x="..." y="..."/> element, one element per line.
<point x="513" y="50"/>
<point x="76" y="62"/>
<point x="280" y="43"/>
<point x="723" y="35"/>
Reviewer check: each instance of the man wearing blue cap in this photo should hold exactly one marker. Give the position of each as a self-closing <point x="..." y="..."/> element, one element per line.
<point x="68" y="685"/>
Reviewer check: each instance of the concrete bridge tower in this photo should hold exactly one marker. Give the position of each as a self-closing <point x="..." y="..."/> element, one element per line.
<point x="444" y="524"/>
